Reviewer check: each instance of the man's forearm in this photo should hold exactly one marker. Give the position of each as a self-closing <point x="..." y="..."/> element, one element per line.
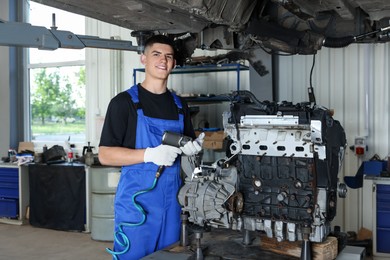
<point x="119" y="156"/>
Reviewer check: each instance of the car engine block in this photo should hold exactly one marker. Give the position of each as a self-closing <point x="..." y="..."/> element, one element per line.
<point x="280" y="174"/>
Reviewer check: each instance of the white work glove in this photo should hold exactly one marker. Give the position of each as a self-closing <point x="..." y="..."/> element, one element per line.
<point x="162" y="154"/>
<point x="194" y="147"/>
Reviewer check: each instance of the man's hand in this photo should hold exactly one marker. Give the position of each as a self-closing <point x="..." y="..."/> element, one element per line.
<point x="162" y="154"/>
<point x="194" y="147"/>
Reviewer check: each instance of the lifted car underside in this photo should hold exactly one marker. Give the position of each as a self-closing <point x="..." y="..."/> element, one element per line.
<point x="289" y="26"/>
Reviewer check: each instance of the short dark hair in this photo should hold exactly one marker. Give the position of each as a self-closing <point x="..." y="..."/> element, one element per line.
<point x="159" y="38"/>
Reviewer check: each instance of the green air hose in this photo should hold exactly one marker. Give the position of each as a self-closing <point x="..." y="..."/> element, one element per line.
<point x="120" y="236"/>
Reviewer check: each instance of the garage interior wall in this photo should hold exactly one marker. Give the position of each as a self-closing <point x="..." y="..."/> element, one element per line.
<point x="109" y="72"/>
<point x="354" y="81"/>
<point x="4" y="89"/>
<point x="14" y="100"/>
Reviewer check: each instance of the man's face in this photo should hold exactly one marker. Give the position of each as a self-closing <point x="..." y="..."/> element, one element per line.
<point x="158" y="60"/>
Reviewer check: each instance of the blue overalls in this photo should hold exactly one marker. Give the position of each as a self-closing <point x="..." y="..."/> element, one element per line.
<point x="162" y="226"/>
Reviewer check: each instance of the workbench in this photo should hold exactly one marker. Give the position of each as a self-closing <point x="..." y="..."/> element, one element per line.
<point x="58" y="196"/>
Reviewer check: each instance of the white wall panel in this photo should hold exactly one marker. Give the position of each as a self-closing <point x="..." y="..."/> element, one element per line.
<point x="107" y="73"/>
<point x="4" y="87"/>
<point x="354" y="82"/>
<point x="104" y="71"/>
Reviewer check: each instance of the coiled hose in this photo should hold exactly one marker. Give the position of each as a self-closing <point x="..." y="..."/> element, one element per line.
<point x="120" y="236"/>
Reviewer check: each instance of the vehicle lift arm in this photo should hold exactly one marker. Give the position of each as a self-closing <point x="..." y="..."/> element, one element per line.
<point x="27" y="35"/>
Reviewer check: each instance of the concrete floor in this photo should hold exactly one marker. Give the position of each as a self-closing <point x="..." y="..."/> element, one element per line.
<point x="26" y="242"/>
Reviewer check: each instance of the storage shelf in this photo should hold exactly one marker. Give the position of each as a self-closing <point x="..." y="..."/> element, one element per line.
<point x="206" y="99"/>
<point x="205" y="68"/>
<point x="236" y="67"/>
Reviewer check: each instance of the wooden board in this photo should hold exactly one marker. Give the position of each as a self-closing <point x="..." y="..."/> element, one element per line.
<point x="326" y="250"/>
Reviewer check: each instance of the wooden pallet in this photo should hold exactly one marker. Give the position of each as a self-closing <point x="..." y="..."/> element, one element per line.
<point x="326" y="250"/>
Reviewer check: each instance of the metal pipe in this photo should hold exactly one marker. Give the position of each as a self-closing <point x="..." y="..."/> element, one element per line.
<point x="184" y="229"/>
<point x="199" y="253"/>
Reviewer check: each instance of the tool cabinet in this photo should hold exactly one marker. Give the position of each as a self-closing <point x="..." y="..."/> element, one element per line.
<point x="9" y="192"/>
<point x="376" y="213"/>
<point x="382" y="219"/>
<point x="14" y="193"/>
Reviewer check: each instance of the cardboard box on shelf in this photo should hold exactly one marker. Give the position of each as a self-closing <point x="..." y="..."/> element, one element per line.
<point x="213" y="140"/>
<point x="25" y="146"/>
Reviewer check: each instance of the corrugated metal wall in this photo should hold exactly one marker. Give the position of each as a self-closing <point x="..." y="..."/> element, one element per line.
<point x="109" y="72"/>
<point x="354" y="81"/>
<point x="5" y="89"/>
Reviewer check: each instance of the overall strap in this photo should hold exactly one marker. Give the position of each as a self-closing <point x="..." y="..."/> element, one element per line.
<point x="179" y="106"/>
<point x="133" y="92"/>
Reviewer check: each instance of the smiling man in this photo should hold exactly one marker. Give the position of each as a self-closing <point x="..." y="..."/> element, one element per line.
<point x="131" y="137"/>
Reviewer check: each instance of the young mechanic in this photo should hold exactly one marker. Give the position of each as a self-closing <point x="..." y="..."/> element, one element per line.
<point x="132" y="138"/>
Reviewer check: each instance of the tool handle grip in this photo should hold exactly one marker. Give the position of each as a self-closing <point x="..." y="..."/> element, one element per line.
<point x="175" y="139"/>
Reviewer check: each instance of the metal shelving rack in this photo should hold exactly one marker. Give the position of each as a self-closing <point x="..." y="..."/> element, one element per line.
<point x="237" y="67"/>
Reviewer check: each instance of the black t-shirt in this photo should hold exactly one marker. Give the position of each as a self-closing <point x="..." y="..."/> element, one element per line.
<point x="120" y="124"/>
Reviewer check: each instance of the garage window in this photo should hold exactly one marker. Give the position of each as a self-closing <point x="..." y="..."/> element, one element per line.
<point x="57" y="82"/>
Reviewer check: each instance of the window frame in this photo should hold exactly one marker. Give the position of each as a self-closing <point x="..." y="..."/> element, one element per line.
<point x="38" y="144"/>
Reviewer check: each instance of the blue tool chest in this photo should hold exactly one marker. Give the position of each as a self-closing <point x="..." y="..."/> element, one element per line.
<point x="9" y="192"/>
<point x="383" y="218"/>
